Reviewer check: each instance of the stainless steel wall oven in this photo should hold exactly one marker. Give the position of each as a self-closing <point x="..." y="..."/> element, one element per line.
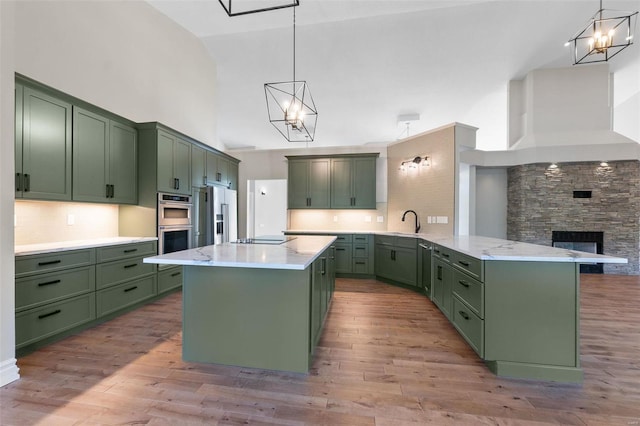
<point x="174" y="222"/>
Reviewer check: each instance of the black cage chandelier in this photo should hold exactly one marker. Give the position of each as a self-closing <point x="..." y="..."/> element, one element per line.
<point x="607" y="34"/>
<point x="290" y="105"/>
<point x="245" y="7"/>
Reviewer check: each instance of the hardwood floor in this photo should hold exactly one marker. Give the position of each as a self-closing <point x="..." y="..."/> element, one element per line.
<point x="387" y="357"/>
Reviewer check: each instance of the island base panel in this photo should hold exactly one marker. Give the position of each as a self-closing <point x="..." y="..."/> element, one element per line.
<point x="535" y="371"/>
<point x="247" y="317"/>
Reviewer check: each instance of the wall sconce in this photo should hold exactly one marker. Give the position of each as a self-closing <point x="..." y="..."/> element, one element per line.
<point x="414" y="162"/>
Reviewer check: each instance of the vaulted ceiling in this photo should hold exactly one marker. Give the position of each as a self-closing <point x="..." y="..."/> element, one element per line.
<point x="369" y="61"/>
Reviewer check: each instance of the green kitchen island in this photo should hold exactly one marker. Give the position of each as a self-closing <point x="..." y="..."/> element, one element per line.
<point x="260" y="303"/>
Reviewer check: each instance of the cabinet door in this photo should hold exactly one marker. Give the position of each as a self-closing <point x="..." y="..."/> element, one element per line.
<point x="166" y="182"/>
<point x="123" y="163"/>
<point x="405" y="268"/>
<point x="222" y="175"/>
<point x="90" y="156"/>
<point x="364" y="183"/>
<point x="343" y="260"/>
<point x="316" y="302"/>
<point x="298" y="181"/>
<point x="19" y="89"/>
<point x="319" y="170"/>
<point x="182" y="164"/>
<point x="442" y="279"/>
<point x="384" y="266"/>
<point x="233" y="176"/>
<point x="341" y="183"/>
<point x="46" y="147"/>
<point x="198" y="166"/>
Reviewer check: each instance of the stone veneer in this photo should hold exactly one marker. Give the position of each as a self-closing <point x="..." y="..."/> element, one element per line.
<point x="540" y="200"/>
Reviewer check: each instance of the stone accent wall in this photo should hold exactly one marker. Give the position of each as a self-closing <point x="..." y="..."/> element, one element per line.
<point x="540" y="200"/>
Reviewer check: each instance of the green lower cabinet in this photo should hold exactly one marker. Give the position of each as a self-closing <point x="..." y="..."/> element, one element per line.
<point x="343" y="258"/>
<point x="442" y="284"/>
<point x="469" y="325"/>
<point x="396" y="259"/>
<point x="120" y="296"/>
<point x="169" y="279"/>
<point x="39" y="323"/>
<point x="41" y="289"/>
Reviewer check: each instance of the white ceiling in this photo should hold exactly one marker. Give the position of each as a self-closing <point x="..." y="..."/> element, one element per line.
<point x="369" y="61"/>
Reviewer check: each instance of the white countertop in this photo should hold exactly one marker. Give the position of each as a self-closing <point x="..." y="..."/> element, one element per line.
<point x="486" y="248"/>
<point x="23" y="250"/>
<point x="296" y="254"/>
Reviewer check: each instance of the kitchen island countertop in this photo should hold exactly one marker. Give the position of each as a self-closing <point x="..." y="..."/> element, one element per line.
<point x="487" y="248"/>
<point x="295" y="254"/>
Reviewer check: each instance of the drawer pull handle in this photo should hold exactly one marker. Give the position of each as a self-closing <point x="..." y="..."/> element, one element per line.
<point x="175" y="274"/>
<point x="445" y="255"/>
<point x="49" y="283"/>
<point x="464" y="283"/>
<point x="340" y="249"/>
<point x="131" y="250"/>
<point x="463" y="263"/>
<point x="360" y="263"/>
<point x="126" y="290"/>
<point x="56" y="312"/>
<point x="130" y="266"/>
<point x="51" y="262"/>
<point x="463" y="314"/>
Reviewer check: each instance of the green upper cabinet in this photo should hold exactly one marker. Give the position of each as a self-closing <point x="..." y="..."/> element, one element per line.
<point x="308" y="183"/>
<point x="104" y="159"/>
<point x="174" y="164"/>
<point x="42" y="146"/>
<point x="335" y="182"/>
<point x="198" y="166"/>
<point x="233" y="175"/>
<point x="217" y="169"/>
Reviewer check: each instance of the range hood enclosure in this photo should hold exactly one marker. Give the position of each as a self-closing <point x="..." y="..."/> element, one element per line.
<point x="566" y="106"/>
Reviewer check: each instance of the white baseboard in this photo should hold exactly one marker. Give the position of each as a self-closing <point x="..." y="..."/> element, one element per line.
<point x="9" y="371"/>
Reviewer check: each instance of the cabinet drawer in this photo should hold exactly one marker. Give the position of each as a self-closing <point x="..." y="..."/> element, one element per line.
<point x="46" y="288"/>
<point x="108" y="274"/>
<point x="124" y="251"/>
<point x="361" y="238"/>
<point x="39" y="263"/>
<point x="361" y="266"/>
<point x="385" y="240"/>
<point x="39" y="323"/>
<point x="470" y="326"/>
<point x="169" y="279"/>
<point x="361" y="250"/>
<point x="470" y="265"/>
<point x="470" y="291"/>
<point x="442" y="252"/>
<point x="344" y="238"/>
<point x="406" y="242"/>
<point x="117" y="297"/>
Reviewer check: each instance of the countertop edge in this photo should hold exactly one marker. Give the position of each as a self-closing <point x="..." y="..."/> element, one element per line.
<point x="43" y="248"/>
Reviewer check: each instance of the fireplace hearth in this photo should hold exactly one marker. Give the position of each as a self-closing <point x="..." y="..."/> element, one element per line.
<point x="589" y="241"/>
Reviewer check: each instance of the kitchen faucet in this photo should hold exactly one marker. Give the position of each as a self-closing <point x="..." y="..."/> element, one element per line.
<point x="416" y="214"/>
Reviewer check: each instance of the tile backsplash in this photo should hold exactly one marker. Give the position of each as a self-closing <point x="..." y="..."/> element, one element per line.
<point x="51" y="221"/>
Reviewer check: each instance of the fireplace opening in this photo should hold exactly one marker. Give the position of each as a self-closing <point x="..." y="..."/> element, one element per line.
<point x="590" y="242"/>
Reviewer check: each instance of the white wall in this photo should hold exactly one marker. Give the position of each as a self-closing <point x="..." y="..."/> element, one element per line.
<point x="491" y="202"/>
<point x="8" y="369"/>
<point x="125" y="57"/>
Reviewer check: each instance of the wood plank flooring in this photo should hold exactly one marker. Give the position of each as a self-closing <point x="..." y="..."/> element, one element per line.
<point x="387" y="357"/>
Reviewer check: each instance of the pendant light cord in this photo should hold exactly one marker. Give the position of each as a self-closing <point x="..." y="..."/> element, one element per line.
<point x="294" y="45"/>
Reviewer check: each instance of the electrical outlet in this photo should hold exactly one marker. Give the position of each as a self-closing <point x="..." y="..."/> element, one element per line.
<point x="71" y="219"/>
<point x="380" y="219"/>
<point x="335" y="218"/>
<point x="367" y="218"/>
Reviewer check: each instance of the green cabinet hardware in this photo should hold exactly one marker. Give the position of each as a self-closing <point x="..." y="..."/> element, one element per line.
<point x="42" y="146"/>
<point x="104" y="159"/>
<point x="308" y="183"/>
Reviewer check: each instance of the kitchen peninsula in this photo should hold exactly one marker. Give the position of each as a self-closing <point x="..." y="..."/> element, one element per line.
<point x="255" y="304"/>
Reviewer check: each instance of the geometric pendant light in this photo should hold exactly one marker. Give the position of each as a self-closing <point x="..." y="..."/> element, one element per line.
<point x="245" y="7"/>
<point x="607" y="34"/>
<point x="290" y="105"/>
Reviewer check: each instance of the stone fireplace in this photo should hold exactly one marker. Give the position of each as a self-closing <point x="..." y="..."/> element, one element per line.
<point x="579" y="197"/>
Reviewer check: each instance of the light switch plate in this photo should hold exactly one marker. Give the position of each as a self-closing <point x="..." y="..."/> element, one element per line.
<point x="71" y="219"/>
<point x="380" y="219"/>
<point x="367" y="218"/>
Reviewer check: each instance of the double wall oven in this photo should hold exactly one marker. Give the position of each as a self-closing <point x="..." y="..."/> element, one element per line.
<point x="174" y="222"/>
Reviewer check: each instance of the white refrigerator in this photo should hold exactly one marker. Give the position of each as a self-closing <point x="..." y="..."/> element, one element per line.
<point x="215" y="214"/>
